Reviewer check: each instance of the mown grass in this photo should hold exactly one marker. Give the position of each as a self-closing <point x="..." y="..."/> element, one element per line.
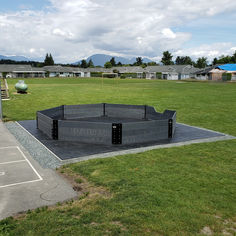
<point x="175" y="191"/>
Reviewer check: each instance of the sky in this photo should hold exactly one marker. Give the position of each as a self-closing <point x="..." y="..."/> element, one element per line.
<point x="72" y="30"/>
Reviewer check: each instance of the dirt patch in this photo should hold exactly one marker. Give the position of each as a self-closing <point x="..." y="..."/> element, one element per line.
<point x="118" y="223"/>
<point x="206" y="231"/>
<point x="82" y="185"/>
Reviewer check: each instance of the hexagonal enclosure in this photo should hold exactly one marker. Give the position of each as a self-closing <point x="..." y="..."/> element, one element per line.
<point x="107" y="124"/>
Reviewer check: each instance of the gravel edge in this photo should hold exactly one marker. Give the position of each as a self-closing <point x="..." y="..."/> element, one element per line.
<point x="45" y="158"/>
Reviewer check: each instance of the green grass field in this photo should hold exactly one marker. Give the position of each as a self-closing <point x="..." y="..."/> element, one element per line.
<point x="175" y="191"/>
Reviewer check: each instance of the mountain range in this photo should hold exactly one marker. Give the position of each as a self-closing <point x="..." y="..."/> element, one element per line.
<point x="101" y="59"/>
<point x="14" y="58"/>
<point x="98" y="59"/>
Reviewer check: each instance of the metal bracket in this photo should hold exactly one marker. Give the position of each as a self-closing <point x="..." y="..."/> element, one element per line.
<point x="116" y="133"/>
<point x="170" y="126"/>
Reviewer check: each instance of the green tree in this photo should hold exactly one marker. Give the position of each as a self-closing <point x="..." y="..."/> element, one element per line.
<point x="108" y="64"/>
<point x="83" y="64"/>
<point x="152" y="63"/>
<point x="119" y="64"/>
<point x="215" y="61"/>
<point x="112" y="61"/>
<point x="90" y="63"/>
<point x="201" y="62"/>
<point x="51" y="61"/>
<point x="48" y="61"/>
<point x="167" y="58"/>
<point x="184" y="60"/>
<point x="139" y="61"/>
<point x="233" y="59"/>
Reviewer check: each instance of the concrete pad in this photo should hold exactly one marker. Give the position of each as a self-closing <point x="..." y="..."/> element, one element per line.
<point x="69" y="151"/>
<point x="24" y="184"/>
<point x="10" y="154"/>
<point x="16" y="173"/>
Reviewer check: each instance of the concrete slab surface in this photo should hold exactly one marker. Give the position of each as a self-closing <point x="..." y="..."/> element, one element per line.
<point x="24" y="184"/>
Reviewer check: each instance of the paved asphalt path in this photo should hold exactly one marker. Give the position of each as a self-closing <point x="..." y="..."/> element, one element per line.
<point x="24" y="184"/>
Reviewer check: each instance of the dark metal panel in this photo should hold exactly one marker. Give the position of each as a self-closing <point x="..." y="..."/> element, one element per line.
<point x="116" y="133"/>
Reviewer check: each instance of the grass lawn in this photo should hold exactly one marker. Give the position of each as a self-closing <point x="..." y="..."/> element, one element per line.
<point x="187" y="190"/>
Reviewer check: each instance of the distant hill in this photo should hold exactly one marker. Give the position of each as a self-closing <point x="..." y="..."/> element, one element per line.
<point x="14" y="58"/>
<point x="101" y="59"/>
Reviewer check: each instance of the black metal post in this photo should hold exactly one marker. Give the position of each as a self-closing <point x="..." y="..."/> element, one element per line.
<point x="170" y="126"/>
<point x="55" y="130"/>
<point x="104" y="109"/>
<point x="145" y="112"/>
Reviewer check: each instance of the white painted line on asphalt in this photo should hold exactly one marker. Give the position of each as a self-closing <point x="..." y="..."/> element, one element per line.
<point x="40" y="178"/>
<point x="2" y="173"/>
<point x="10" y="162"/>
<point x="39" y="141"/>
<point x="25" y="160"/>
<point x="26" y="182"/>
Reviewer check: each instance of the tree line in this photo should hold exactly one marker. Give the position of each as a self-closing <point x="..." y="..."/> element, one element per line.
<point x="167" y="59"/>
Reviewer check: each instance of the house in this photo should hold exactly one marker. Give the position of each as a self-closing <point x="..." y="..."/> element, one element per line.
<point x="130" y="71"/>
<point x="58" y="71"/>
<point x="217" y="72"/>
<point x="204" y="74"/>
<point x="228" y="69"/>
<point x="20" y="71"/>
<point x="171" y="72"/>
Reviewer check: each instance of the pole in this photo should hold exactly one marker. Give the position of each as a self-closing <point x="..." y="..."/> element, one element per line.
<point x="0" y="102"/>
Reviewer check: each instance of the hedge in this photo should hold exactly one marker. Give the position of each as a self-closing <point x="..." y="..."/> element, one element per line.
<point x="96" y="74"/>
<point x="226" y="76"/>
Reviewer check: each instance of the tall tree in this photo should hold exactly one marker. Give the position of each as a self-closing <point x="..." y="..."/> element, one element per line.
<point x="90" y="63"/>
<point x="184" y="60"/>
<point x="48" y="61"/>
<point x="167" y="58"/>
<point x="233" y="59"/>
<point x="215" y="61"/>
<point x="83" y="64"/>
<point x="112" y="61"/>
<point x="139" y="61"/>
<point x="51" y="61"/>
<point x="201" y="62"/>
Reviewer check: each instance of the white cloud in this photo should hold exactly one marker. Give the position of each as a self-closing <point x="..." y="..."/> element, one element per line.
<point x="74" y="29"/>
<point x="210" y="51"/>
<point x="168" y="33"/>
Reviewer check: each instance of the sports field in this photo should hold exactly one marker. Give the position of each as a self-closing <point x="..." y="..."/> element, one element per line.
<point x="187" y="190"/>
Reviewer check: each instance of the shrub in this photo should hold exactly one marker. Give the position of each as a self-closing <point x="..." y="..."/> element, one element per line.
<point x="158" y="75"/>
<point x="96" y="74"/>
<point x="226" y="76"/>
<point x="129" y="75"/>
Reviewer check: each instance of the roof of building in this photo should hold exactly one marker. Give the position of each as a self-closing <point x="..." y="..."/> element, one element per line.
<point x="13" y="67"/>
<point x="184" y="69"/>
<point x="216" y="71"/>
<point x="19" y="68"/>
<point x="57" y="69"/>
<point x="172" y="68"/>
<point x="228" y="67"/>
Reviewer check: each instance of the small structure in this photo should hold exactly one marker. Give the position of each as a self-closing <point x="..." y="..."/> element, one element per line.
<point x="4" y="89"/>
<point x="21" y="87"/>
<point x="107" y="124"/>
